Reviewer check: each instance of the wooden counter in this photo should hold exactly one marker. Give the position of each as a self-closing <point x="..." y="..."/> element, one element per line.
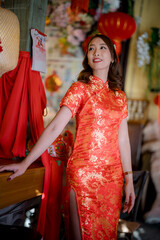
<point x="24" y="187"/>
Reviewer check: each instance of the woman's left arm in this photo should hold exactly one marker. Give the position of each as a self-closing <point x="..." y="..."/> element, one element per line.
<point x="125" y="153"/>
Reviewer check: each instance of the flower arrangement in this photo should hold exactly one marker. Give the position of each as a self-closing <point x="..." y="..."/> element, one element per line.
<point x="143" y="55"/>
<point x="148" y="56"/>
<point x="73" y="26"/>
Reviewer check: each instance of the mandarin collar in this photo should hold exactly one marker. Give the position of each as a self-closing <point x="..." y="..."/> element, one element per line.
<point x="98" y="81"/>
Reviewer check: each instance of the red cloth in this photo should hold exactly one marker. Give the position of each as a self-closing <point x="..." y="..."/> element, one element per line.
<point x="53" y="214"/>
<point x="21" y="94"/>
<point x="13" y="110"/>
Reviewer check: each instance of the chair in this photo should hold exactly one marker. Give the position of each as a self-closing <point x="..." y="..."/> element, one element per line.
<point x="127" y="222"/>
<point x="13" y="219"/>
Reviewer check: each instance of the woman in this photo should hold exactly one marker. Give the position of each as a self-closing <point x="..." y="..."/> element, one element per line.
<point x="101" y="154"/>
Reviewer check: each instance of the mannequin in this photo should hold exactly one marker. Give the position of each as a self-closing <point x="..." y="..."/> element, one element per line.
<point x="9" y="40"/>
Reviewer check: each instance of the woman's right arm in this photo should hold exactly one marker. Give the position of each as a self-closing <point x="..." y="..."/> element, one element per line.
<point x="46" y="139"/>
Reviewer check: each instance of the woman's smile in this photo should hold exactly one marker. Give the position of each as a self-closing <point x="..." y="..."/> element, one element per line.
<point x="97" y="60"/>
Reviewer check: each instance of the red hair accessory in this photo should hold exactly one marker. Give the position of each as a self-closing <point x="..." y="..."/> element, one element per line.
<point x="114" y="43"/>
<point x="115" y="47"/>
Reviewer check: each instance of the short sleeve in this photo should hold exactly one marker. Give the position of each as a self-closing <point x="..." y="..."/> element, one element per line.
<point x="73" y="98"/>
<point x="125" y="106"/>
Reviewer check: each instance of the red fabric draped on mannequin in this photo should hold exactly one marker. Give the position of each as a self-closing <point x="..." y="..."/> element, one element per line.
<point x="13" y="110"/>
<point x="21" y="93"/>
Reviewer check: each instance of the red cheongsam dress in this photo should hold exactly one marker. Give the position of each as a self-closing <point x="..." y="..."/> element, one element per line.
<point x="94" y="169"/>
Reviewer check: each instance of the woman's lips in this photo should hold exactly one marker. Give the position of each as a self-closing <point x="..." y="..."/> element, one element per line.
<point x="97" y="60"/>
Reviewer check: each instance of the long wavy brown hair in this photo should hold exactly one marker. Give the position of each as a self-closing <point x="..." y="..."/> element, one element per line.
<point x="114" y="73"/>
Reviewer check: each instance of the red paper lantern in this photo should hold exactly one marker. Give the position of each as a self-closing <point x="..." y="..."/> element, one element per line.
<point x="117" y="25"/>
<point x="79" y="5"/>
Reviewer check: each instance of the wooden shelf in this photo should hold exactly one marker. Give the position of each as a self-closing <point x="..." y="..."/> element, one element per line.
<point x="137" y="110"/>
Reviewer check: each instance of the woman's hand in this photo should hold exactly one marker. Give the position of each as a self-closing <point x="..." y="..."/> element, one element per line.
<point x="17" y="169"/>
<point x="125" y="152"/>
<point x="129" y="196"/>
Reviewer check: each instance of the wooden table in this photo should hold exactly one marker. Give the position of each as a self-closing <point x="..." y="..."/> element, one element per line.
<point x="24" y="187"/>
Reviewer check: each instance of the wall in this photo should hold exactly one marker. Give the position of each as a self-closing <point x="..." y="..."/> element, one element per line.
<point x="136" y="78"/>
<point x="31" y="14"/>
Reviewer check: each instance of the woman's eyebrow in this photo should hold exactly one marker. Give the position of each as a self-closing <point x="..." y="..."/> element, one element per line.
<point x="92" y="44"/>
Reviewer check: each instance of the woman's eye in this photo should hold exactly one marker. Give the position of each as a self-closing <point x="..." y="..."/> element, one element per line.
<point x="90" y="48"/>
<point x="103" y="47"/>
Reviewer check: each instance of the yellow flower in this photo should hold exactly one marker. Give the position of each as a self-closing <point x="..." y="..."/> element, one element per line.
<point x="62" y="40"/>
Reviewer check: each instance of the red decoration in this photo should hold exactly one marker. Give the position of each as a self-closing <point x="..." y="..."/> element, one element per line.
<point x="156" y="99"/>
<point x="79" y="5"/>
<point x="117" y="25"/>
<point x="118" y="46"/>
<point x="53" y="82"/>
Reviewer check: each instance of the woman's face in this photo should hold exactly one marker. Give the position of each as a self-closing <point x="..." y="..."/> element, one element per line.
<point x="99" y="56"/>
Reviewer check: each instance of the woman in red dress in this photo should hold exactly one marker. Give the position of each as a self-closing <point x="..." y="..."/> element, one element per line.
<point x="101" y="154"/>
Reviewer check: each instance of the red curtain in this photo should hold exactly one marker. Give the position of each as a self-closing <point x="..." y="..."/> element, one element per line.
<point x="22" y="96"/>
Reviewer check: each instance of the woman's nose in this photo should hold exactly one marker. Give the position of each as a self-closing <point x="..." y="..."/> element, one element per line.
<point x="96" y="53"/>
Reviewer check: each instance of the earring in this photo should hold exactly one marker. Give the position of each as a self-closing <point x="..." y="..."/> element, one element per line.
<point x="112" y="61"/>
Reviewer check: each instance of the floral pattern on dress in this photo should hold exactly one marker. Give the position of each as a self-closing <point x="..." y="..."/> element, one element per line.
<point x="94" y="169"/>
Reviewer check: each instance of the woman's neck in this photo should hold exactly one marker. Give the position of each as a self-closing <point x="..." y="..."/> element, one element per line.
<point x="101" y="74"/>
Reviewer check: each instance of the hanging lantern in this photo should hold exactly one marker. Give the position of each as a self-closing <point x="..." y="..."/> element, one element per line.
<point x="117" y="25"/>
<point x="53" y="82"/>
<point x="79" y="5"/>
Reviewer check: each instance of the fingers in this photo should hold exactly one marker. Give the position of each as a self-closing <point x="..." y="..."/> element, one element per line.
<point x="3" y="168"/>
<point x="6" y="168"/>
<point x="13" y="168"/>
<point x="129" y="203"/>
<point x="12" y="176"/>
<point x="125" y="207"/>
